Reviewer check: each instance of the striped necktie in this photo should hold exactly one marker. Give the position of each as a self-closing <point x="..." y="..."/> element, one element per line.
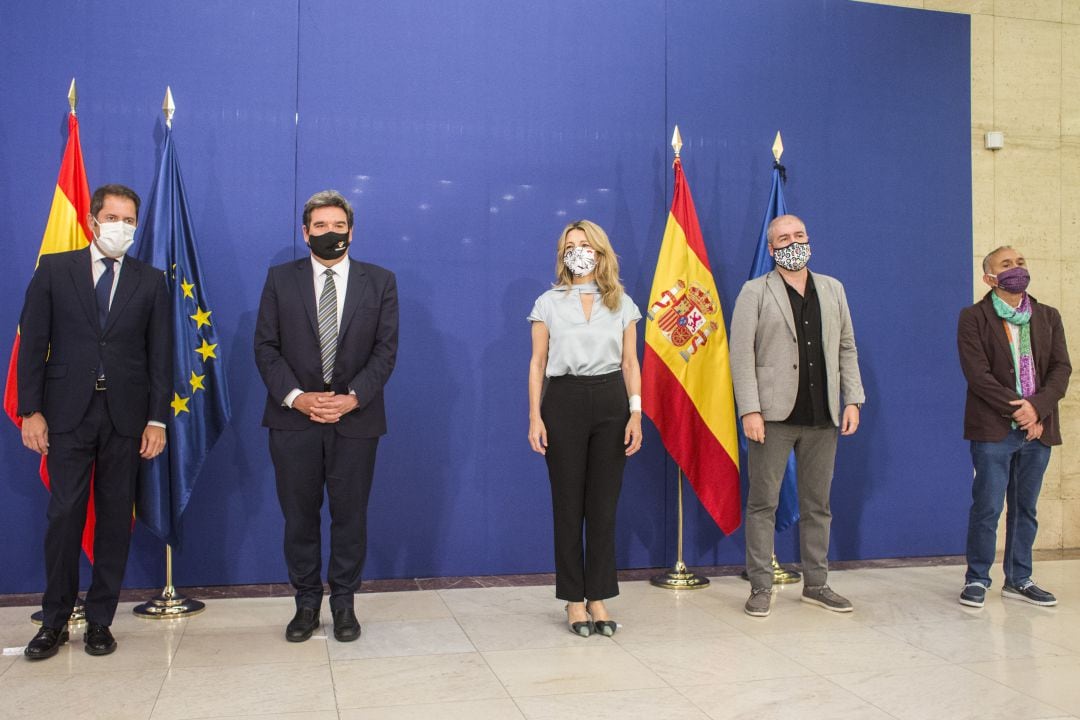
<point x="328" y="325"/>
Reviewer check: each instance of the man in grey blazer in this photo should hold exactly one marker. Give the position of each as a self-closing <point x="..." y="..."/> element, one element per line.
<point x="792" y="356"/>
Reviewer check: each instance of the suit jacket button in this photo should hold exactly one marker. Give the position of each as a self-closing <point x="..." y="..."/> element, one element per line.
<point x="794" y="367"/>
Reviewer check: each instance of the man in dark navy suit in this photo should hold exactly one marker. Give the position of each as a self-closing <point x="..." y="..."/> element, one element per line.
<point x="325" y="344"/>
<point x="94" y="370"/>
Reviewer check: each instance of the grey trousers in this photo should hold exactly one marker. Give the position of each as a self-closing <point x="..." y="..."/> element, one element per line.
<point x="815" y="456"/>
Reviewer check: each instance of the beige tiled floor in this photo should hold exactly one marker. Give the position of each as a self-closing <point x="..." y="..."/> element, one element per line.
<point x="908" y="651"/>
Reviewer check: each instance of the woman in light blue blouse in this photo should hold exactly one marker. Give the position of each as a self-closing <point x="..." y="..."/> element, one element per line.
<point x="585" y="415"/>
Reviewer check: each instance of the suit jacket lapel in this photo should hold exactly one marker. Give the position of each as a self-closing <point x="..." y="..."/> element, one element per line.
<point x="305" y="279"/>
<point x="353" y="291"/>
<point x="82" y="280"/>
<point x="1003" y="339"/>
<point x="125" y="289"/>
<point x="830" y="317"/>
<point x="778" y="289"/>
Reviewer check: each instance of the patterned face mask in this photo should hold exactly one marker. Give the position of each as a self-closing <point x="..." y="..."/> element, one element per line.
<point x="793" y="257"/>
<point x="580" y="260"/>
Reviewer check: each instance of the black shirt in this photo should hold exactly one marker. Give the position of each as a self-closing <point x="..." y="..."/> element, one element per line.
<point x="812" y="402"/>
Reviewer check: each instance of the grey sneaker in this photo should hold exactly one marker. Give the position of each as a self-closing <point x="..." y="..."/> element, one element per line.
<point x="824" y="596"/>
<point x="973" y="595"/>
<point x="759" y="603"/>
<point x="1028" y="591"/>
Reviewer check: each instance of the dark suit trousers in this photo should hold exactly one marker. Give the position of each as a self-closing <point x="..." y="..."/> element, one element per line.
<point x="95" y="444"/>
<point x="586" y="421"/>
<point x="305" y="462"/>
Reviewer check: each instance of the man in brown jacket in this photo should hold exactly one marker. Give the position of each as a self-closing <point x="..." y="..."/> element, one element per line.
<point x="1013" y="353"/>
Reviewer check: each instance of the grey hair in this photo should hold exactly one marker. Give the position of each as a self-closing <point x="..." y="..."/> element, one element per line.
<point x="327" y="198"/>
<point x="777" y="219"/>
<point x="992" y="253"/>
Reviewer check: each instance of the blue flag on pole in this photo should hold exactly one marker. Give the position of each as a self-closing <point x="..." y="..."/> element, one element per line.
<point x="787" y="511"/>
<point x="200" y="400"/>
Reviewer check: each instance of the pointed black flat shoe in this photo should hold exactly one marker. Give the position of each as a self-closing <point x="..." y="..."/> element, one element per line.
<point x="605" y="627"/>
<point x="581" y="629"/>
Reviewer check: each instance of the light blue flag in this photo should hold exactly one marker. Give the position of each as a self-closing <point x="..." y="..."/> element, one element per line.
<point x="787" y="511"/>
<point x="200" y="401"/>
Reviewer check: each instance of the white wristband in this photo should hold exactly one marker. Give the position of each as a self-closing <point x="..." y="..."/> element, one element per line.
<point x="635" y="403"/>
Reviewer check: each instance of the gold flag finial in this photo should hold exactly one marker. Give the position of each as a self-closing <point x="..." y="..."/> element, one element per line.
<point x="168" y="107"/>
<point x="676" y="141"/>
<point x="777" y="147"/>
<point x="73" y="97"/>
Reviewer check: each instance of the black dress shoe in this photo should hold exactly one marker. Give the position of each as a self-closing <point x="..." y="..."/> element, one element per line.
<point x="346" y="626"/>
<point x="98" y="640"/>
<point x="46" y="643"/>
<point x="302" y="625"/>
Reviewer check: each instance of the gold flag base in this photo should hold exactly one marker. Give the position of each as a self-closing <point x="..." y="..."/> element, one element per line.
<point x="78" y="615"/>
<point x="168" y="605"/>
<point x="680" y="578"/>
<point x="780" y="574"/>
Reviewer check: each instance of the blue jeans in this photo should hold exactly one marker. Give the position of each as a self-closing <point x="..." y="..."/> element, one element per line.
<point x="1010" y="470"/>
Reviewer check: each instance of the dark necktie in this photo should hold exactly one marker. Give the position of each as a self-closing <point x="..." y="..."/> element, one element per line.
<point x="104" y="290"/>
<point x="328" y="325"/>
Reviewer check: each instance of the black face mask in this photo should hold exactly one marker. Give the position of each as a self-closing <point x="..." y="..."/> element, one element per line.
<point x="329" y="245"/>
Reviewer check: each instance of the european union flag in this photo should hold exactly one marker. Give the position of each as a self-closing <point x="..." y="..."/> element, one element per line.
<point x="200" y="396"/>
<point x="787" y="511"/>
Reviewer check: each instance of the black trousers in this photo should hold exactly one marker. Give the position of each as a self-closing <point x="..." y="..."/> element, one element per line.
<point x="586" y="418"/>
<point x="305" y="462"/>
<point x="93" y="444"/>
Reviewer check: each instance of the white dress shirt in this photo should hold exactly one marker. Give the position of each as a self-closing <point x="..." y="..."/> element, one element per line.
<point x="98" y="269"/>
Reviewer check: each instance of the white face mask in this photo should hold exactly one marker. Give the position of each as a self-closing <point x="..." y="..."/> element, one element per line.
<point x="580" y="260"/>
<point x="114" y="238"/>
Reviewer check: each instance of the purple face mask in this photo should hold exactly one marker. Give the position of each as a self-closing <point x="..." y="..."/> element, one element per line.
<point x="1014" y="280"/>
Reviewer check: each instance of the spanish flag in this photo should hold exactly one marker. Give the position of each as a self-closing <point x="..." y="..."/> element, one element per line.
<point x="686" y="374"/>
<point x="65" y="230"/>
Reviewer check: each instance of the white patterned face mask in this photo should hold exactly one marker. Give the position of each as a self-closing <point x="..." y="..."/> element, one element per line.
<point x="580" y="260"/>
<point x="793" y="257"/>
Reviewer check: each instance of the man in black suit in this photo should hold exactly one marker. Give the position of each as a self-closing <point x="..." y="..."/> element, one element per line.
<point x="94" y="373"/>
<point x="325" y="344"/>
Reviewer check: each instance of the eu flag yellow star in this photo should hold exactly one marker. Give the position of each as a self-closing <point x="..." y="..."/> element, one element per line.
<point x="201" y="317"/>
<point x="206" y="350"/>
<point x="179" y="404"/>
<point x="196" y="382"/>
<point x="187" y="288"/>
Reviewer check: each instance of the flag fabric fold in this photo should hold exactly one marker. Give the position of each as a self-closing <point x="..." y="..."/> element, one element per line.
<point x="686" y="374"/>
<point x="66" y="229"/>
<point x="787" y="511"/>
<point x="200" y="404"/>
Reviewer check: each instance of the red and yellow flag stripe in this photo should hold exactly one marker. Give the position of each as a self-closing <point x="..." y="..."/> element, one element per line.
<point x="686" y="374"/>
<point x="66" y="229"/>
